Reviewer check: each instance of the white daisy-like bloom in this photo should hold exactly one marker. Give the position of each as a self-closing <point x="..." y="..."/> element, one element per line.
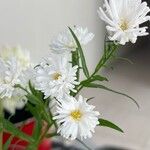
<point x="9" y="76"/>
<point x="14" y="62"/>
<point x="21" y="55"/>
<point x="66" y="43"/>
<point x="16" y="101"/>
<point x="124" y="19"/>
<point x="56" y="76"/>
<point x="76" y="118"/>
<point x="11" y="98"/>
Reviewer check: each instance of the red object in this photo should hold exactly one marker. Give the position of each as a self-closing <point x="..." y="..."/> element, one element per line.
<point x="45" y="145"/>
<point x="18" y="144"/>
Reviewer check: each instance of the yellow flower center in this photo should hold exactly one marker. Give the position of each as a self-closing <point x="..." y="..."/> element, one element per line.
<point x="124" y="25"/>
<point x="56" y="76"/>
<point x="76" y="115"/>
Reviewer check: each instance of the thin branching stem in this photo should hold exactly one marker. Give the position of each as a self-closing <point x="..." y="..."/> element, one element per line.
<point x="88" y="148"/>
<point x="105" y="58"/>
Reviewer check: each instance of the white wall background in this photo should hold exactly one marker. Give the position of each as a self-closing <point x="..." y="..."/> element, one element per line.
<point x="33" y="23"/>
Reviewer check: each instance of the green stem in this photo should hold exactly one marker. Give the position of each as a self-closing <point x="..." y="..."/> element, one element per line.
<point x="50" y="135"/>
<point x="44" y="134"/>
<point x="105" y="58"/>
<point x="88" y="148"/>
<point x="53" y="121"/>
<point x="1" y="125"/>
<point x="75" y="61"/>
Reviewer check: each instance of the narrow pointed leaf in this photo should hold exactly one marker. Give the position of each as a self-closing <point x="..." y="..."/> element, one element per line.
<point x="9" y="127"/>
<point x="32" y="99"/>
<point x="35" y="92"/>
<point x="37" y="114"/>
<point x="94" y="85"/>
<point x="32" y="88"/>
<point x="83" y="61"/>
<point x="99" y="78"/>
<point x="106" y="123"/>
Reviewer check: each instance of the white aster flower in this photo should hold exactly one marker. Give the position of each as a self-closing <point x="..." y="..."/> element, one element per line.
<point x="76" y="118"/>
<point x="16" y="101"/>
<point x="66" y="43"/>
<point x="10" y="97"/>
<point x="123" y="18"/>
<point x="56" y="76"/>
<point x="22" y="56"/>
<point x="9" y="76"/>
<point x="14" y="63"/>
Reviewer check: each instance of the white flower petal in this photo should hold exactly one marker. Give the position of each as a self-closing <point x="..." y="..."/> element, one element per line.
<point x="66" y="43"/>
<point x="84" y="123"/>
<point x="124" y="18"/>
<point x="56" y="79"/>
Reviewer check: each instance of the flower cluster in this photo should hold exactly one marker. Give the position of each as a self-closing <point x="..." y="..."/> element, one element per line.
<point x="13" y="62"/>
<point x="56" y="80"/>
<point x="56" y="77"/>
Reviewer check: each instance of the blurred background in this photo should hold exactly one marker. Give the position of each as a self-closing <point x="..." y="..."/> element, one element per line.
<point x="33" y="24"/>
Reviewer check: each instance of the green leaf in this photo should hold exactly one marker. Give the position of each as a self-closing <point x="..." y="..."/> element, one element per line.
<point x="20" y="87"/>
<point x="32" y="88"/>
<point x="83" y="61"/>
<point x="9" y="127"/>
<point x="106" y="123"/>
<point x="93" y="78"/>
<point x="94" y="85"/>
<point x="37" y="114"/>
<point x="37" y="129"/>
<point x="34" y="100"/>
<point x="35" y="92"/>
<point x="8" y="142"/>
<point x="99" y="78"/>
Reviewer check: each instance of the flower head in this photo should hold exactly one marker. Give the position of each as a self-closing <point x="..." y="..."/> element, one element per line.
<point x="22" y="56"/>
<point x="65" y="41"/>
<point x="76" y="118"/>
<point x="123" y="18"/>
<point x="56" y="76"/>
<point x="14" y="62"/>
<point x="11" y="97"/>
<point x="9" y="76"/>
